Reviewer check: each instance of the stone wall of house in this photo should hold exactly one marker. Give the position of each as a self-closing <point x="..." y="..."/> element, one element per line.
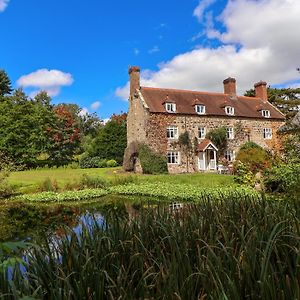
<point x="136" y="120"/>
<point x="244" y="130"/>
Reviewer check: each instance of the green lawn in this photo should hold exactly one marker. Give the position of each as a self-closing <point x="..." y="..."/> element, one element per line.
<point x="28" y="181"/>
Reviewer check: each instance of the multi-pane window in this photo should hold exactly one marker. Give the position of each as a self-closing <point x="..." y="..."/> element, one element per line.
<point x="201" y="132"/>
<point x="230" y="133"/>
<point x="266" y="113"/>
<point x="229" y="155"/>
<point x="229" y="110"/>
<point x="172" y="132"/>
<point x="173" y="157"/>
<point x="200" y="109"/>
<point x="170" y="107"/>
<point x="267" y="133"/>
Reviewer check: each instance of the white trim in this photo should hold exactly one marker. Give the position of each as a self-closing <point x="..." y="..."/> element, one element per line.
<point x="174" y="129"/>
<point x="174" y="153"/>
<point x="203" y="109"/>
<point x="173" y="107"/>
<point x="210" y="144"/>
<point x="267" y="133"/>
<point x="266" y="113"/>
<point x="229" y="110"/>
<point x="204" y="132"/>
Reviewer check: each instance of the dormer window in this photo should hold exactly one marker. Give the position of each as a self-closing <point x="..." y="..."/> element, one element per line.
<point x="200" y="109"/>
<point x="171" y="107"/>
<point x="229" y="110"/>
<point x="266" y="113"/>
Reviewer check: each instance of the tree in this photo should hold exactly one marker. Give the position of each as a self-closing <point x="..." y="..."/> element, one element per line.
<point x="5" y="84"/>
<point x="287" y="100"/>
<point x="186" y="146"/>
<point x="111" y="140"/>
<point x="219" y="138"/>
<point x="64" y="134"/>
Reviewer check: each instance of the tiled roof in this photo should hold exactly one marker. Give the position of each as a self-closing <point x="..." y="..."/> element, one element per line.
<point x="248" y="107"/>
<point x="204" y="144"/>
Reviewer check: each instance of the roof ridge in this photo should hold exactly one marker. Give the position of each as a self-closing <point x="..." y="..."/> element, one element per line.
<point x="185" y="91"/>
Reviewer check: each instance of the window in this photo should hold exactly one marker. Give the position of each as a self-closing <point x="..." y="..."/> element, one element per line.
<point x="230" y="133"/>
<point x="229" y="110"/>
<point x="229" y="155"/>
<point x="200" y="109"/>
<point x="172" y="132"/>
<point x="267" y="133"/>
<point x="201" y="132"/>
<point x="170" y="107"/>
<point x="266" y="113"/>
<point x="173" y="157"/>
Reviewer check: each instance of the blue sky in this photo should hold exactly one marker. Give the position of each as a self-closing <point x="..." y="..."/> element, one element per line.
<point x="181" y="44"/>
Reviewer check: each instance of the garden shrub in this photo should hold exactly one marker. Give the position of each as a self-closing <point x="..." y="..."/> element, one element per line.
<point x="243" y="175"/>
<point x="87" y="162"/>
<point x="283" y="179"/>
<point x="87" y="181"/>
<point x="102" y="163"/>
<point x="152" y="163"/>
<point x="48" y="185"/>
<point x="255" y="158"/>
<point x="250" y="145"/>
<point x="111" y="163"/>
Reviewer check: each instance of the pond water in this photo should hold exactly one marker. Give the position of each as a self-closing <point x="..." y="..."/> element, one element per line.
<point x="26" y="221"/>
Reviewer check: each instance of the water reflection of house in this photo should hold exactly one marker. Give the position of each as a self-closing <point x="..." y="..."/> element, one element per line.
<point x="158" y="116"/>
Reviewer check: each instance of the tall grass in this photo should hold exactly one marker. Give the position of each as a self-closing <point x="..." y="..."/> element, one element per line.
<point x="243" y="248"/>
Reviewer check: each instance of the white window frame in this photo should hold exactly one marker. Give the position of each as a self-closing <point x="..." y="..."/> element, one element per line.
<point x="230" y="133"/>
<point x="267" y="133"/>
<point x="170" y="107"/>
<point x="200" y="109"/>
<point x="201" y="132"/>
<point x="173" y="157"/>
<point x="172" y="132"/>
<point x="266" y="113"/>
<point x="229" y="155"/>
<point x="229" y="110"/>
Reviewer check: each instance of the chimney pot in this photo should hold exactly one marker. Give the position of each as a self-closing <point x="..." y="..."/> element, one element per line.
<point x="261" y="90"/>
<point x="134" y="74"/>
<point x="230" y="86"/>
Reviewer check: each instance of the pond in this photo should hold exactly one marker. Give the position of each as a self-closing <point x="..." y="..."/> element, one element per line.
<point x="26" y="221"/>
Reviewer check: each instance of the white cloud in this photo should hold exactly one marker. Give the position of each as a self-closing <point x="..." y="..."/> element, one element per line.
<point x="264" y="47"/>
<point x="50" y="81"/>
<point x="155" y="49"/>
<point x="136" y="51"/>
<point x="106" y="120"/>
<point x="3" y="5"/>
<point x="200" y="9"/>
<point x="96" y="105"/>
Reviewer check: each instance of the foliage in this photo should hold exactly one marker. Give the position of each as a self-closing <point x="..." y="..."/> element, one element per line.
<point x="250" y="145"/>
<point x="87" y="162"/>
<point x="93" y="182"/>
<point x="152" y="163"/>
<point x="285" y="99"/>
<point x="254" y="158"/>
<point x="219" y="138"/>
<point x="283" y="179"/>
<point x="292" y="148"/>
<point x="186" y="147"/>
<point x="234" y="249"/>
<point x="6" y="166"/>
<point x="180" y="192"/>
<point x="111" y="141"/>
<point x="5" y="84"/>
<point x="64" y="135"/>
<point x="80" y="195"/>
<point x="243" y="174"/>
<point x="111" y="163"/>
<point x="48" y="185"/>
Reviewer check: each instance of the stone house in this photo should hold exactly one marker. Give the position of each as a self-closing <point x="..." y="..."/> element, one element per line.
<point x="158" y="116"/>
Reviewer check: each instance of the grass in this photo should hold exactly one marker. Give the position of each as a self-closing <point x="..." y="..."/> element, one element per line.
<point x="29" y="181"/>
<point x="239" y="248"/>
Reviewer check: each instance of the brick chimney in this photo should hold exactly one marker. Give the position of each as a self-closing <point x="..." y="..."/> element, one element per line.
<point x="230" y="86"/>
<point x="134" y="74"/>
<point x="261" y="90"/>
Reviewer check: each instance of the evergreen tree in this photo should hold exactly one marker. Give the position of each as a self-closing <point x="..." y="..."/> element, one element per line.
<point x="5" y="84"/>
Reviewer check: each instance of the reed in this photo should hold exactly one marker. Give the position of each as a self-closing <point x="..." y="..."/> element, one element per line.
<point x="238" y="248"/>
